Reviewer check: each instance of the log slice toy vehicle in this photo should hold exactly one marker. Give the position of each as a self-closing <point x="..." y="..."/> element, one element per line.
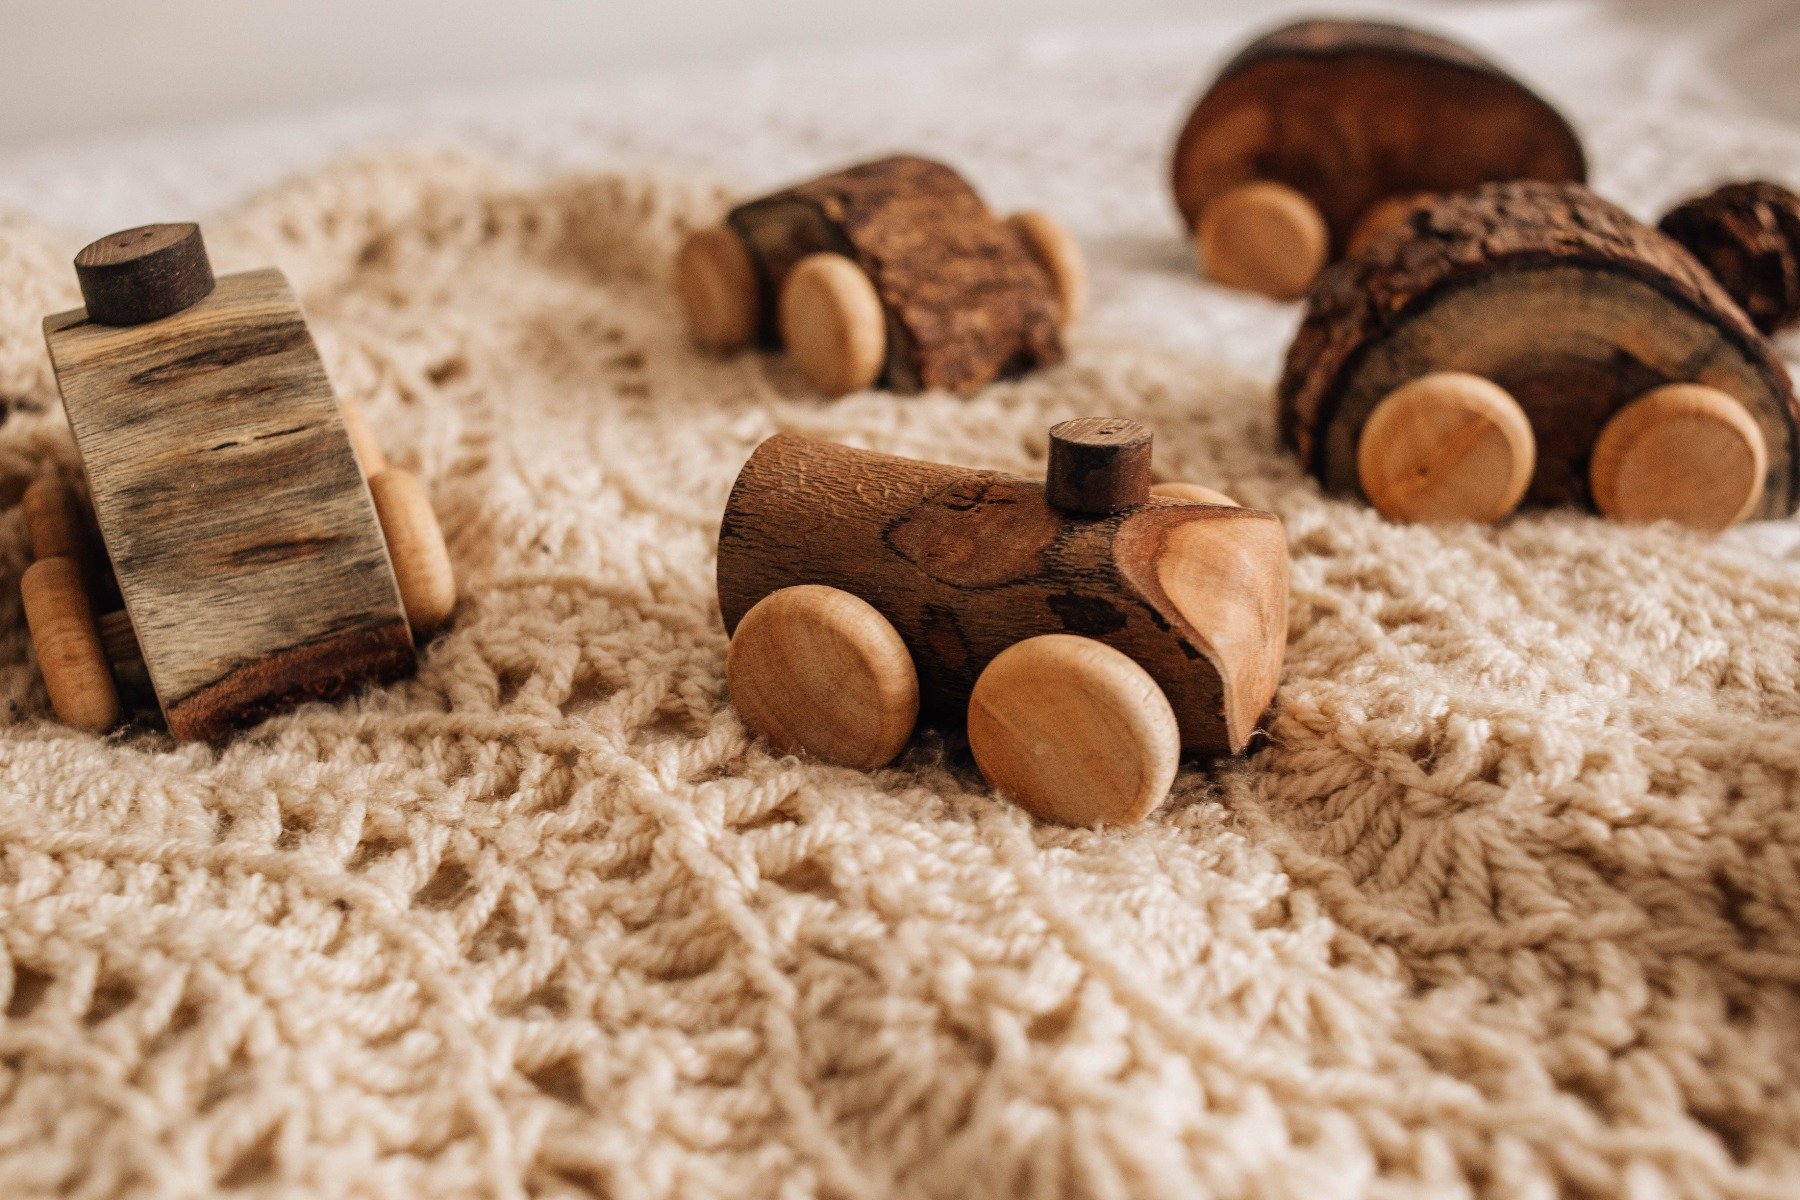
<point x="1087" y="630"/>
<point x="1531" y="342"/>
<point x="243" y="563"/>
<point x="894" y="272"/>
<point x="1320" y="125"/>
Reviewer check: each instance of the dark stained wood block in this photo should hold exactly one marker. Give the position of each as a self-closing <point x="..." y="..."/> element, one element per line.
<point x="242" y="534"/>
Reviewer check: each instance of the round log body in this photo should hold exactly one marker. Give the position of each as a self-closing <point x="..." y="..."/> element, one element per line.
<point x="965" y="563"/>
<point x="1349" y="113"/>
<point x="1563" y="300"/>
<point x="965" y="300"/>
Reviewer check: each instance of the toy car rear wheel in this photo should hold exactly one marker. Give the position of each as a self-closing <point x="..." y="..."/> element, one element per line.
<point x="833" y="324"/>
<point x="416" y="548"/>
<point x="67" y="641"/>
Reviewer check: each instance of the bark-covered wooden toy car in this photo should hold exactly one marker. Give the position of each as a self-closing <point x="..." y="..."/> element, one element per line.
<point x="1322" y="124"/>
<point x="1087" y="630"/>
<point x="1531" y="342"/>
<point x="242" y="564"/>
<point x="1748" y="235"/>
<point x="892" y="272"/>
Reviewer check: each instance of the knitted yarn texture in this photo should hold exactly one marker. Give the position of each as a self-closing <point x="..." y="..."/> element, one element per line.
<point x="1505" y="904"/>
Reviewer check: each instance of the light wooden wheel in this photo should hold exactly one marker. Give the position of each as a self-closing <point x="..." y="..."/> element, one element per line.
<point x="53" y="520"/>
<point x="832" y="324"/>
<point x="1057" y="251"/>
<point x="415" y="546"/>
<point x="717" y="285"/>
<point x="1263" y="237"/>
<point x="1682" y="452"/>
<point x="69" y="650"/>
<point x="1446" y="447"/>
<point x="369" y="455"/>
<point x="817" y="670"/>
<point x="1193" y="493"/>
<point x="1074" y="731"/>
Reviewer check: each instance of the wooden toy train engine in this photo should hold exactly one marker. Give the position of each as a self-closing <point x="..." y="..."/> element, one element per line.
<point x="1088" y="631"/>
<point x="894" y="272"/>
<point x="243" y="563"/>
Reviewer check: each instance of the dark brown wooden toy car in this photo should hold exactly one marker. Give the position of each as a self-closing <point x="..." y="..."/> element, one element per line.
<point x="1087" y="630"/>
<point x="1532" y="342"/>
<point x="237" y="558"/>
<point x="1322" y="125"/>
<point x="892" y="272"/>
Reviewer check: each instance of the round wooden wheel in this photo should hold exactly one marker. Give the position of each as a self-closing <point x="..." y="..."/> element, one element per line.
<point x="1446" y="447"/>
<point x="1193" y="493"/>
<point x="819" y="671"/>
<point x="415" y="546"/>
<point x="67" y="641"/>
<point x="1682" y="452"/>
<point x="362" y="437"/>
<point x="1057" y="251"/>
<point x="1263" y="237"/>
<point x="717" y="285"/>
<point x="1074" y="731"/>
<point x="832" y="324"/>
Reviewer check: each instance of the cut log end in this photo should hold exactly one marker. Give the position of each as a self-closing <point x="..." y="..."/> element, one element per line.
<point x="140" y="275"/>
<point x="716" y="282"/>
<point x="1446" y="447"/>
<point x="1262" y="237"/>
<point x="1683" y="453"/>
<point x="816" y="670"/>
<point x="832" y="324"/>
<point x="1098" y="465"/>
<point x="1073" y="731"/>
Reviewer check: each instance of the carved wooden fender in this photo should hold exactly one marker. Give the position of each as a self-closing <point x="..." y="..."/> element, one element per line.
<point x="1531" y="342"/>
<point x="969" y="579"/>
<point x="1322" y="124"/>
<point x="892" y="271"/>
<point x="243" y="564"/>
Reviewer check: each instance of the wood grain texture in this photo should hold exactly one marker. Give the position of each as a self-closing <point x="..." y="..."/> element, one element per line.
<point x="964" y="300"/>
<point x="1748" y="235"/>
<point x="1073" y="731"/>
<point x="1351" y="112"/>
<point x="143" y="274"/>
<point x="239" y="527"/>
<point x="1446" y="447"/>
<point x="1562" y="299"/>
<point x="966" y="563"/>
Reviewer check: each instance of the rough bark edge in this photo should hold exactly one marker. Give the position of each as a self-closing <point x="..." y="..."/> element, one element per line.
<point x="1512" y="225"/>
<point x="1748" y="235"/>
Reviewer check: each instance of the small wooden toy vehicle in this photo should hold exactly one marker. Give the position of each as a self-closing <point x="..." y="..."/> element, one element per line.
<point x="1089" y="630"/>
<point x="1323" y="125"/>
<point x="892" y="271"/>
<point x="1531" y="342"/>
<point x="247" y="566"/>
<point x="1748" y="235"/>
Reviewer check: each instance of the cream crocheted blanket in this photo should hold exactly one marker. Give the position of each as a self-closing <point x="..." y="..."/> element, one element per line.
<point x="1507" y="903"/>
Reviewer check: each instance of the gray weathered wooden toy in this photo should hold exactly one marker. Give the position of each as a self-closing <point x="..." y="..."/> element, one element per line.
<point x="1528" y="342"/>
<point x="243" y="563"/>
<point x="894" y="272"/>
<point x="1088" y="628"/>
